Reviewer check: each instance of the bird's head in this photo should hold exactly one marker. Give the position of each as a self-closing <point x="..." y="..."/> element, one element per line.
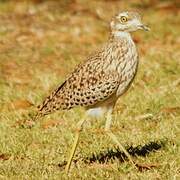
<point x="127" y="22"/>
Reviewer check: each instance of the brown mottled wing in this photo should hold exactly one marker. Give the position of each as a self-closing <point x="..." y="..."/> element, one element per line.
<point x="86" y="86"/>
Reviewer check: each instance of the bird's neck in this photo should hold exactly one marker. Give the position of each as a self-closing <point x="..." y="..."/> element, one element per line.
<point x="121" y="35"/>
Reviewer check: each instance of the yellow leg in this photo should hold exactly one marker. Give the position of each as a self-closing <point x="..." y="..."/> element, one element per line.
<point x="76" y="141"/>
<point x="114" y="138"/>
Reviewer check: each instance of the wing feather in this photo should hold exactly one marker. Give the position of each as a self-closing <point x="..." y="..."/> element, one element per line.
<point x="86" y="86"/>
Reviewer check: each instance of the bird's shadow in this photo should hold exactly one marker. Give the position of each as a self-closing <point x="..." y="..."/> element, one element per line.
<point x="116" y="153"/>
<point x="110" y="155"/>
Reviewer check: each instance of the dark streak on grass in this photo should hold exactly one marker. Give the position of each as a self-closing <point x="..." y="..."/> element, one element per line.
<point x="112" y="154"/>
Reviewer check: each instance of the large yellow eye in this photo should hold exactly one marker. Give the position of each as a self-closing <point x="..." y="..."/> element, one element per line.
<point x="123" y="19"/>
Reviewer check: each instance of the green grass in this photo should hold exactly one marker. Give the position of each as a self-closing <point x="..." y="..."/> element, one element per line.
<point x="40" y="44"/>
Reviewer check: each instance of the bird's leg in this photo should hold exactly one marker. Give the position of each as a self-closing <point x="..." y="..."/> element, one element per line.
<point x="76" y="141"/>
<point x="114" y="138"/>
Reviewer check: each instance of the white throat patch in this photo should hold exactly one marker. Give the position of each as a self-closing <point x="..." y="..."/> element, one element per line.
<point x="123" y="35"/>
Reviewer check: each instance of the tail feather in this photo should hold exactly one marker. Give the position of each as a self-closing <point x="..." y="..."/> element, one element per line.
<point x="47" y="106"/>
<point x="37" y="116"/>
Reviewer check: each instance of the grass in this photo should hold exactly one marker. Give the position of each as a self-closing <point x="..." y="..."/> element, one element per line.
<point x="40" y="43"/>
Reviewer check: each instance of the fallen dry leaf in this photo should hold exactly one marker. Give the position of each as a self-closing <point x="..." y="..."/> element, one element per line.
<point x="171" y="110"/>
<point x="20" y="104"/>
<point x="137" y="39"/>
<point x="4" y="157"/>
<point x="142" y="167"/>
<point x="51" y="123"/>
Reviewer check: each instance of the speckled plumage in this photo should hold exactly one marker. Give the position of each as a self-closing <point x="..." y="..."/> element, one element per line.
<point x="105" y="74"/>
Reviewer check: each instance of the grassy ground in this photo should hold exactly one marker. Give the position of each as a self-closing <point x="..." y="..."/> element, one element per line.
<point x="40" y="44"/>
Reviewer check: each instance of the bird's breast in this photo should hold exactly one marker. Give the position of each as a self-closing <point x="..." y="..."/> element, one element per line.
<point x="127" y="69"/>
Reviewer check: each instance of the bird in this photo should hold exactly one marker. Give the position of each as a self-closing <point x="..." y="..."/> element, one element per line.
<point x="98" y="82"/>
